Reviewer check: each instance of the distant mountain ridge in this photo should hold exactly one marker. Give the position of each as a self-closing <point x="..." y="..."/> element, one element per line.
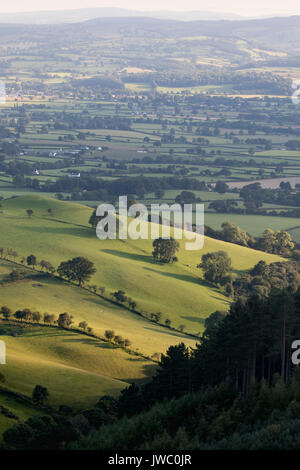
<point x="279" y="32"/>
<point x="84" y="14"/>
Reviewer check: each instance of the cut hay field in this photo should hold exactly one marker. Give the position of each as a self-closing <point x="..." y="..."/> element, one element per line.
<point x="270" y="183"/>
<point x="175" y="290"/>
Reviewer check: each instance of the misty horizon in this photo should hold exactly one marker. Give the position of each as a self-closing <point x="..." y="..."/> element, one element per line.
<point x="258" y="9"/>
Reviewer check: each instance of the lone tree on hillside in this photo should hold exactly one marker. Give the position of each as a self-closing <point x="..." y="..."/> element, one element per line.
<point x="165" y="250"/>
<point x="31" y="261"/>
<point x="216" y="266"/>
<point x="77" y="269"/>
<point x="40" y="394"/>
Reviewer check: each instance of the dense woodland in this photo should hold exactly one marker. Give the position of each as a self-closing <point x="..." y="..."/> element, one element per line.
<point x="237" y="388"/>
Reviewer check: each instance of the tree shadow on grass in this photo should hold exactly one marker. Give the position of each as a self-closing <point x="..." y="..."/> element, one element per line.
<point x="194" y="319"/>
<point x="102" y="303"/>
<point x="180" y="277"/>
<point x="170" y="332"/>
<point x="221" y="300"/>
<point x="147" y="369"/>
<point x="49" y="331"/>
<point x="131" y="256"/>
<point x="85" y="340"/>
<point x="193" y="280"/>
<point x="64" y="231"/>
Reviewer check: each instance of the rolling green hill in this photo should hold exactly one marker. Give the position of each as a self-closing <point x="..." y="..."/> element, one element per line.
<point x="55" y="296"/>
<point x="78" y="369"/>
<point x="175" y="290"/>
<point x="75" y="368"/>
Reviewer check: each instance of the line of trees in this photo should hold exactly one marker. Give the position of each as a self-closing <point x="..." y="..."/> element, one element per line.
<point x="119" y="340"/>
<point x="80" y="270"/>
<point x="63" y="320"/>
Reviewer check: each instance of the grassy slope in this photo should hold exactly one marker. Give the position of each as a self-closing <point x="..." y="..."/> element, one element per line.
<point x="176" y="290"/>
<point x="55" y="296"/>
<point x="75" y="368"/>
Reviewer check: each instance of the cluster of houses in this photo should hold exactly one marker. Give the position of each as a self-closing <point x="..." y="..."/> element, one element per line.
<point x="74" y="174"/>
<point x="55" y="153"/>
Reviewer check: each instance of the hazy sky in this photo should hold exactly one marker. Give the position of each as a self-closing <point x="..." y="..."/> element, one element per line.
<point x="255" y="7"/>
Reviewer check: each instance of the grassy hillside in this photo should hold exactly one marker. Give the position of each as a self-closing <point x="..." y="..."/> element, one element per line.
<point x="75" y="368"/>
<point x="55" y="296"/>
<point x="175" y="290"/>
